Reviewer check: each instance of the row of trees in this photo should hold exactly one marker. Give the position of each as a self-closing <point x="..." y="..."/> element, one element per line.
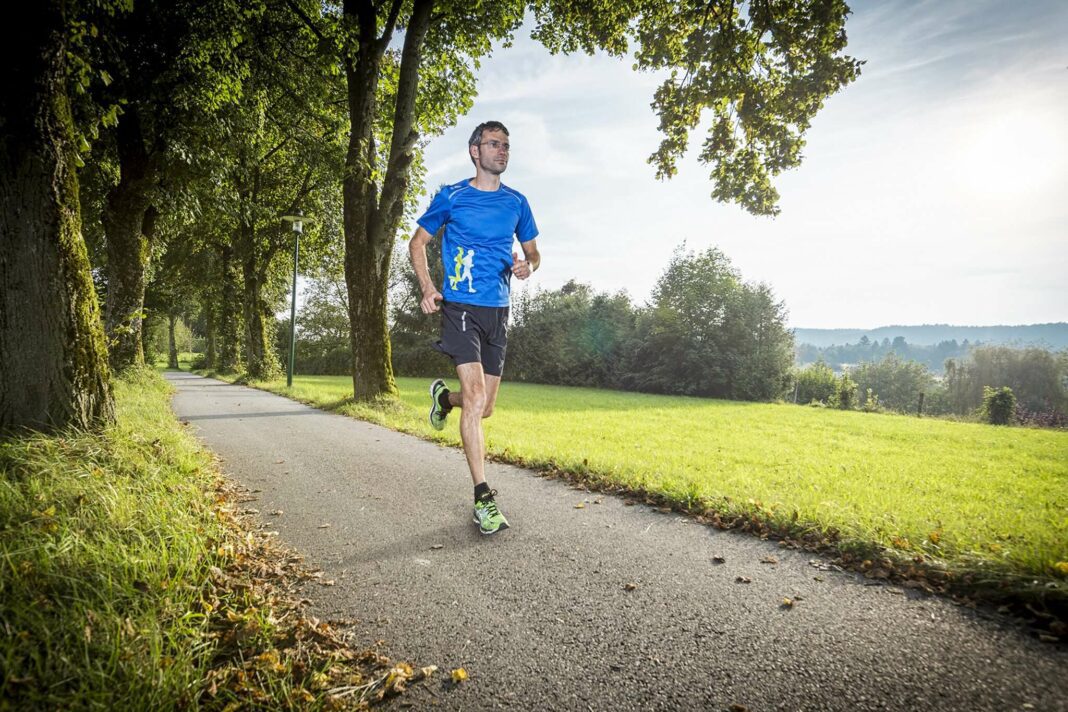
<point x="149" y="148"/>
<point x="932" y="356"/>
<point x="1037" y="379"/>
<point x="705" y="332"/>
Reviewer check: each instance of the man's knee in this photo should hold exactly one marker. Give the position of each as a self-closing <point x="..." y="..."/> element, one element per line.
<point x="487" y="410"/>
<point x="475" y="401"/>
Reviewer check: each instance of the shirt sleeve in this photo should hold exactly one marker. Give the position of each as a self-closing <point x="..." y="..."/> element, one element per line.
<point x="437" y="214"/>
<point x="526" y="229"/>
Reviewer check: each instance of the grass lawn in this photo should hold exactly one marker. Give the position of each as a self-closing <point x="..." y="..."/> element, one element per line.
<point x="991" y="500"/>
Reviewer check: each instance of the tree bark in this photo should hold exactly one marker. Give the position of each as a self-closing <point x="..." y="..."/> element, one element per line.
<point x="129" y="224"/>
<point x="209" y="337"/>
<point x="55" y="371"/>
<point x="262" y="362"/>
<point x="229" y="331"/>
<point x="370" y="220"/>
<point x="172" y="345"/>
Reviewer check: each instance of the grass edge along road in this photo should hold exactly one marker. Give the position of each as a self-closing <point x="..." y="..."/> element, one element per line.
<point x="129" y="580"/>
<point x="984" y="505"/>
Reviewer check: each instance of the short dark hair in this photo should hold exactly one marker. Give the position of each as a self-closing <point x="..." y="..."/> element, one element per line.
<point x="476" y="135"/>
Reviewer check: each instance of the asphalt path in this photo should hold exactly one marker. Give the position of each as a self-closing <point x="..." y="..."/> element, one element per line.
<point x="603" y="607"/>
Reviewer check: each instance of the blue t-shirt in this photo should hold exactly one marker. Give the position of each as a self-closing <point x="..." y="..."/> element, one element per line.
<point x="477" y="246"/>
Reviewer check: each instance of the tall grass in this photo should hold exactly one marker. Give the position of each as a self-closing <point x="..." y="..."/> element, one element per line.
<point x="105" y="547"/>
<point x="989" y="500"/>
<point x="129" y="582"/>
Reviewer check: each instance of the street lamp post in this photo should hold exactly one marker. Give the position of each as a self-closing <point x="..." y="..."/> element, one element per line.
<point x="298" y="221"/>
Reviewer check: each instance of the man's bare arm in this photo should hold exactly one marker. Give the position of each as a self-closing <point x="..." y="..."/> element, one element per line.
<point x="417" y="255"/>
<point x="523" y="268"/>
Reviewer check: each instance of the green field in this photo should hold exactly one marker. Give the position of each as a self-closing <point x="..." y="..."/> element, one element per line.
<point x="980" y="497"/>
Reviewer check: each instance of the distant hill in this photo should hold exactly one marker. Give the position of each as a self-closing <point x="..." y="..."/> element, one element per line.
<point x="1052" y="336"/>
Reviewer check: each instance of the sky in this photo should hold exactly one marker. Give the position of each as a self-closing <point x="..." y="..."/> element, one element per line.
<point x="934" y="188"/>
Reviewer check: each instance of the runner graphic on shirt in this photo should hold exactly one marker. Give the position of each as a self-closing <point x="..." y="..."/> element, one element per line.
<point x="469" y="262"/>
<point x="463" y="265"/>
<point x="457" y="263"/>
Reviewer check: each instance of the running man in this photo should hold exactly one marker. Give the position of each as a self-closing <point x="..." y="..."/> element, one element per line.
<point x="481" y="217"/>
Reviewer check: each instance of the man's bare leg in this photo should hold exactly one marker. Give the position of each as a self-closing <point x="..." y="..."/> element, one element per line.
<point x="476" y="398"/>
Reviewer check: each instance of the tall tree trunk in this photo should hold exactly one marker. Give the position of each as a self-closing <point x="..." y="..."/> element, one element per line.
<point x="129" y="222"/>
<point x="146" y="337"/>
<point x="262" y="362"/>
<point x="55" y="371"/>
<point x="370" y="220"/>
<point x="172" y="344"/>
<point x="229" y="315"/>
<point x="209" y="337"/>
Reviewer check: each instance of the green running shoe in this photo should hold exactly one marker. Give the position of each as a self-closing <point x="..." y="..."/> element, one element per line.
<point x="488" y="518"/>
<point x="437" y="413"/>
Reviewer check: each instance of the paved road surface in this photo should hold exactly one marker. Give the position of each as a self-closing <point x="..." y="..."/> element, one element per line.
<point x="539" y="616"/>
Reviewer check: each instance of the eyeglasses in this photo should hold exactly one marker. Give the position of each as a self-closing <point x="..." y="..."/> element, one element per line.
<point x="497" y="145"/>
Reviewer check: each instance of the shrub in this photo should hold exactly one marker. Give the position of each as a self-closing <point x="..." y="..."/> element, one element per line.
<point x="816" y="383"/>
<point x="898" y="382"/>
<point x="847" y="393"/>
<point x="871" y="403"/>
<point x="999" y="405"/>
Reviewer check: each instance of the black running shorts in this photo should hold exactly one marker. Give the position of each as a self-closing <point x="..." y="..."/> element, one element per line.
<point x="474" y="334"/>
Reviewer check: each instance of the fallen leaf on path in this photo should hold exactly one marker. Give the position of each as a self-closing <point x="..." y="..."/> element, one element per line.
<point x="596" y="501"/>
<point x="787" y="602"/>
<point x="664" y="510"/>
<point x="718" y="560"/>
<point x="629" y="586"/>
<point x="331" y="582"/>
<point x="769" y="560"/>
<point x="323" y="526"/>
<point x="425" y="672"/>
<point x="739" y="708"/>
<point x="818" y="578"/>
<point x="580" y="505"/>
<point x="459" y="675"/>
<point x="279" y="462"/>
<point x="277" y="512"/>
<point x="743" y="579"/>
<point x="435" y="547"/>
